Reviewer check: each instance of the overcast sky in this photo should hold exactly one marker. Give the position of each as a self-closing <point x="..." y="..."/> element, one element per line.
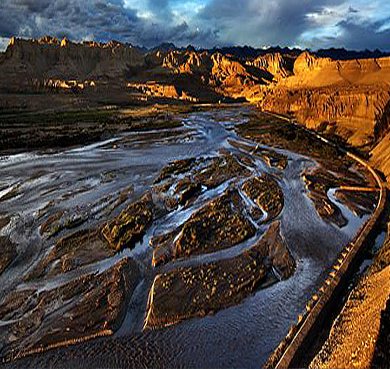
<point x="310" y="24"/>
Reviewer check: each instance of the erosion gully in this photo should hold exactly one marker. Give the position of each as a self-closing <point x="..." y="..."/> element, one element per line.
<point x="83" y="178"/>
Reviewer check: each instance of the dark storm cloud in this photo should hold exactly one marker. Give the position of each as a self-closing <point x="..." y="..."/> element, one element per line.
<point x="8" y="27"/>
<point x="291" y="22"/>
<point x="160" y="7"/>
<point x="355" y="34"/>
<point x="365" y="35"/>
<point x="91" y="19"/>
<point x="33" y="6"/>
<point x="318" y="23"/>
<point x="352" y="10"/>
<point x="263" y="21"/>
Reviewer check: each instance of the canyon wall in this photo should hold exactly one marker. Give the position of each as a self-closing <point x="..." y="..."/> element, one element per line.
<point x="357" y="113"/>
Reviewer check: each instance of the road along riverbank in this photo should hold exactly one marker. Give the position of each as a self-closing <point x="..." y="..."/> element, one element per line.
<point x="293" y="348"/>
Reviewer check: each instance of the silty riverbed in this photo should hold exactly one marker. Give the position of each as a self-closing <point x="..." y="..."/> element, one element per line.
<point x="47" y="197"/>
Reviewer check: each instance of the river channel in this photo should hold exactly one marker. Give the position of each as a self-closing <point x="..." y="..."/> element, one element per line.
<point x="84" y="182"/>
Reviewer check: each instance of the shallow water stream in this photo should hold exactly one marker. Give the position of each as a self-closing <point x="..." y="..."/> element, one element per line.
<point x="81" y="180"/>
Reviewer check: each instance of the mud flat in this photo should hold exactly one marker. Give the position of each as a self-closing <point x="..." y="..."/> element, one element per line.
<point x="276" y="133"/>
<point x="210" y="172"/>
<point x="221" y="170"/>
<point x="90" y="306"/>
<point x="213" y="286"/>
<point x="271" y="157"/>
<point x="129" y="227"/>
<point x="8" y="252"/>
<point x="81" y="248"/>
<point x="318" y="184"/>
<point x="62" y="128"/>
<point x="182" y="181"/>
<point x="218" y="225"/>
<point x="176" y="167"/>
<point x="220" y="212"/>
<point x="359" y="203"/>
<point x="266" y="193"/>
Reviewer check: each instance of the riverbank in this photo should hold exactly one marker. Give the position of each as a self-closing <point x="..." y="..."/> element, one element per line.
<point x="359" y="335"/>
<point x="357" y="338"/>
<point x="58" y="129"/>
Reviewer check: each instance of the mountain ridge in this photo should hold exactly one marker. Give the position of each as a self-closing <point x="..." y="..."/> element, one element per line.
<point x="349" y="97"/>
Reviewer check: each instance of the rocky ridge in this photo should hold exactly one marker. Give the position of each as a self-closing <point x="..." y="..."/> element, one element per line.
<point x="349" y="98"/>
<point x="277" y="65"/>
<point x="31" y="64"/>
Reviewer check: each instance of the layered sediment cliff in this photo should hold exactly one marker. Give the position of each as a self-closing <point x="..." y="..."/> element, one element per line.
<point x="347" y="98"/>
<point x="356" y="113"/>
<point x="277" y="65"/>
<point x="32" y="63"/>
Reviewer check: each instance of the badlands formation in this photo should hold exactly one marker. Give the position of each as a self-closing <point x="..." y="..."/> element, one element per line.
<point x="348" y="97"/>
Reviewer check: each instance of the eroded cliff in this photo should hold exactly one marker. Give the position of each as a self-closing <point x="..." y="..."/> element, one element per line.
<point x="347" y="98"/>
<point x="33" y="63"/>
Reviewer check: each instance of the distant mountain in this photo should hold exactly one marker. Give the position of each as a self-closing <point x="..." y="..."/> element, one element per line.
<point x="343" y="54"/>
<point x="248" y="52"/>
<point x="165" y="47"/>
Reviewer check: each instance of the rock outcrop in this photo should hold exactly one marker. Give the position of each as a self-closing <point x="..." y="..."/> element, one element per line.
<point x="349" y="98"/>
<point x="380" y="155"/>
<point x="312" y="71"/>
<point x="27" y="61"/>
<point x="352" y="112"/>
<point x="277" y="65"/>
<point x="231" y="76"/>
<point x="223" y="74"/>
<point x="307" y="62"/>
<point x="187" y="62"/>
